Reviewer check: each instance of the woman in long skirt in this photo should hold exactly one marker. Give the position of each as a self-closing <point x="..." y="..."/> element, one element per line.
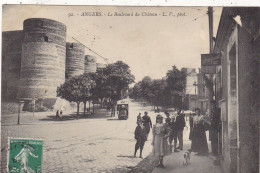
<point x="160" y="144"/>
<point x="199" y="140"/>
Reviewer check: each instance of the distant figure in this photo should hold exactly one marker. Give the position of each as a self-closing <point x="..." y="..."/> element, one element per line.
<point x="180" y="124"/>
<point x="191" y="124"/>
<point x="61" y="114"/>
<point x="57" y="114"/>
<point x="147" y="123"/>
<point x="168" y="119"/>
<point x="160" y="145"/>
<point x="191" y="128"/>
<point x="140" y="136"/>
<point x="139" y="118"/>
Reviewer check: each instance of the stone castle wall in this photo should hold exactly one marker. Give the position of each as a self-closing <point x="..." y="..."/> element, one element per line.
<point x="37" y="59"/>
<point x="11" y="63"/>
<point x="43" y="58"/>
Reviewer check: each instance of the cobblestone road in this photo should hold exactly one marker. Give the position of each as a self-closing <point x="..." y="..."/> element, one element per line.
<point x="86" y="145"/>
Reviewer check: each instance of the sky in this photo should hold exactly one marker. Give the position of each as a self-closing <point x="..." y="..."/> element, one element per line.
<point x="150" y="43"/>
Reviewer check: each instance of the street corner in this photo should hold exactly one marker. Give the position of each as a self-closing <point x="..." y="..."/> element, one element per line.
<point x="25" y="155"/>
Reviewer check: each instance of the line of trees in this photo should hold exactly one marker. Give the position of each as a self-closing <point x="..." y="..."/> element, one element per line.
<point x="168" y="91"/>
<point x="107" y="83"/>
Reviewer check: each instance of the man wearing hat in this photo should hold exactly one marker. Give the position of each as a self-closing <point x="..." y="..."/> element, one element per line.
<point x="147" y="123"/>
<point x="180" y="124"/>
<point x="174" y="134"/>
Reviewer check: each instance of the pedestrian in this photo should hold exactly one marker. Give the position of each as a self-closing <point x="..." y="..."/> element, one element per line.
<point x="147" y="123"/>
<point x="160" y="144"/>
<point x="139" y="118"/>
<point x="61" y="114"/>
<point x="191" y="124"/>
<point x="168" y="119"/>
<point x="180" y="124"/>
<point x="173" y="134"/>
<point x="215" y="127"/>
<point x="57" y="114"/>
<point x="140" y="136"/>
<point x="199" y="140"/>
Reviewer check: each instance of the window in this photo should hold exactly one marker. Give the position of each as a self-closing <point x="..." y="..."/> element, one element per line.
<point x="45" y="39"/>
<point x="71" y="46"/>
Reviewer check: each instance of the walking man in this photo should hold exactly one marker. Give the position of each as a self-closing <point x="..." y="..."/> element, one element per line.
<point x="147" y="123"/>
<point x="180" y="124"/>
<point x="139" y="118"/>
<point x="173" y="134"/>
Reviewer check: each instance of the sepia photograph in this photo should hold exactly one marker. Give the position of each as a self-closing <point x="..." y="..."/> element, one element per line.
<point x="130" y="89"/>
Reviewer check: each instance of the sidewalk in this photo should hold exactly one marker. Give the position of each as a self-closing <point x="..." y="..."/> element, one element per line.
<point x="199" y="164"/>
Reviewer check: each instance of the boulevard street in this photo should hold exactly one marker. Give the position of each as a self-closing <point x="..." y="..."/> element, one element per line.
<point x="96" y="144"/>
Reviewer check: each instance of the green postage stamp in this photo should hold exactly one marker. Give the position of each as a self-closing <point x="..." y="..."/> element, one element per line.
<point x="25" y="155"/>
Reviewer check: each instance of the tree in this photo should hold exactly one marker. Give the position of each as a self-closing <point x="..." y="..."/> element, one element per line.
<point x="118" y="78"/>
<point x="100" y="91"/>
<point x="136" y="91"/>
<point x="157" y="89"/>
<point x="76" y="89"/>
<point x="176" y="81"/>
<point x="146" y="84"/>
<point x="87" y="84"/>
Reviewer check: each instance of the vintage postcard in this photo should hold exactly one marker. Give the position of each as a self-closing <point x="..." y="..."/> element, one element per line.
<point x="130" y="89"/>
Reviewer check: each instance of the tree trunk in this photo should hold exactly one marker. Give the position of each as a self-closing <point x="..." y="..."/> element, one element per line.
<point x="101" y="103"/>
<point x="84" y="114"/>
<point x="93" y="107"/>
<point x="78" y="109"/>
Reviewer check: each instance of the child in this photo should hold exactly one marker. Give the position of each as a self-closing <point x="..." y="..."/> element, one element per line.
<point x="140" y="136"/>
<point x="160" y="145"/>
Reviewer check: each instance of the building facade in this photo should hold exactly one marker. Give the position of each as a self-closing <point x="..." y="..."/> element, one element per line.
<point x="237" y="88"/>
<point x="190" y="90"/>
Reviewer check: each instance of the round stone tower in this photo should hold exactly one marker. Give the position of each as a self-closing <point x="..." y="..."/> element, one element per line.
<point x="90" y="64"/>
<point x="75" y="58"/>
<point x="43" y="58"/>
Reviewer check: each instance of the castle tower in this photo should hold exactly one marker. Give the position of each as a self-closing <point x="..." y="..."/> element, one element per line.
<point x="43" y="58"/>
<point x="75" y="58"/>
<point x="90" y="64"/>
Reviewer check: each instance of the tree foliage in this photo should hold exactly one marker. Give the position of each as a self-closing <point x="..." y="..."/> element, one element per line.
<point x="109" y="82"/>
<point x="118" y="78"/>
<point x="76" y="89"/>
<point x="167" y="91"/>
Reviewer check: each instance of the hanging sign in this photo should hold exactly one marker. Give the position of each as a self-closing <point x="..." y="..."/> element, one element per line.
<point x="210" y="59"/>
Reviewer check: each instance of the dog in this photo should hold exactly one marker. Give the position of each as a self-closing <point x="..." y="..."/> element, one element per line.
<point x="186" y="157"/>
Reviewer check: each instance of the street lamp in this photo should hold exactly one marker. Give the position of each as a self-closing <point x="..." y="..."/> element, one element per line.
<point x="19" y="110"/>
